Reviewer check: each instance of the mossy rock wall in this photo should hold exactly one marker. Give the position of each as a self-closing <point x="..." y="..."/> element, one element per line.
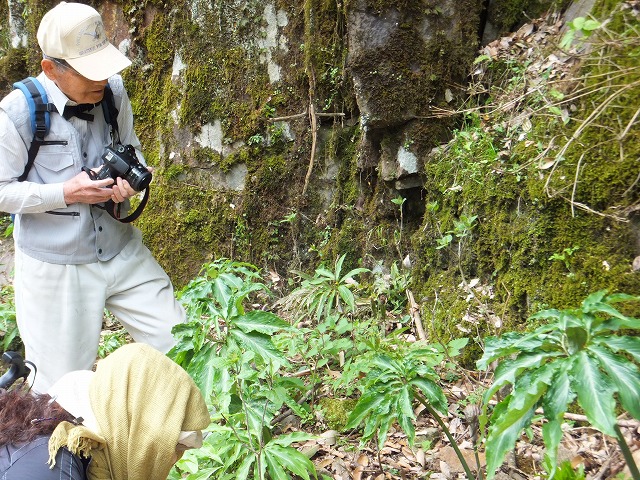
<point x="251" y="112"/>
<point x="535" y="207"/>
<point x="283" y="132"/>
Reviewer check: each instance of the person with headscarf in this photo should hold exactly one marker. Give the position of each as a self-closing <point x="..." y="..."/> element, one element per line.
<point x="131" y="419"/>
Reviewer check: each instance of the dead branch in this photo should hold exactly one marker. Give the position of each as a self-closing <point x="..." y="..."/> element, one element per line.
<point x="414" y="311"/>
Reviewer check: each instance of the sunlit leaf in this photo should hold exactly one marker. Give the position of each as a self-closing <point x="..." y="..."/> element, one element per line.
<point x="276" y="472"/>
<point x="630" y="345"/>
<point x="260" y="321"/>
<point x="202" y="370"/>
<point x="432" y="393"/>
<point x="508" y="370"/>
<point x="625" y="375"/>
<point x="595" y="393"/>
<point x="554" y="405"/>
<point x="260" y="344"/>
<point x="367" y="403"/>
<point x="497" y="445"/>
<point x="290" y="459"/>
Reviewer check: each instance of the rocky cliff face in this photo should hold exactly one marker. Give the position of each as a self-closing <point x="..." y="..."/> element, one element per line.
<point x="254" y="110"/>
<point x="286" y="133"/>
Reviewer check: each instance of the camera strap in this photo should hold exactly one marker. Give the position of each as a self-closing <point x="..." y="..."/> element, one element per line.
<point x="113" y="208"/>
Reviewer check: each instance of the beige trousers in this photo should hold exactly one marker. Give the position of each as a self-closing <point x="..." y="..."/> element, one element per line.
<point x="60" y="308"/>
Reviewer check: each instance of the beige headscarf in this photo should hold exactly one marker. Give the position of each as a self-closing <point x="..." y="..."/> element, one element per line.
<point x="141" y="400"/>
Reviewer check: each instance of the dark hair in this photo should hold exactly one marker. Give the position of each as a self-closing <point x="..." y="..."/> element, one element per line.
<point x="25" y="415"/>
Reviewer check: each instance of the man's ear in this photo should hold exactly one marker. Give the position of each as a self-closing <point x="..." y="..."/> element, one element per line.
<point x="49" y="68"/>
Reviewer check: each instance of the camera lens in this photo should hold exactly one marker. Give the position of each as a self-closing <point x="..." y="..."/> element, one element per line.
<point x="139" y="178"/>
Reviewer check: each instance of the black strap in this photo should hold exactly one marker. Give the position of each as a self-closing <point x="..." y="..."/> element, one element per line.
<point x="40" y="117"/>
<point x="110" y="111"/>
<point x="40" y="121"/>
<point x="113" y="209"/>
<point x="31" y="156"/>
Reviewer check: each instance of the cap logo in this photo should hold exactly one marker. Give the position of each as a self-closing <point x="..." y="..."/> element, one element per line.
<point x="97" y="39"/>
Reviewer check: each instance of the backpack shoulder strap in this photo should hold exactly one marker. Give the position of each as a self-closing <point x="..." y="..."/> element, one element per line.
<point x="39" y="109"/>
<point x="109" y="108"/>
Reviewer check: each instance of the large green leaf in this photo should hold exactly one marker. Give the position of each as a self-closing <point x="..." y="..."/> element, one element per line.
<point x="245" y="467"/>
<point x="367" y="404"/>
<point x="497" y="445"/>
<point x="508" y="370"/>
<point x="323" y="272"/>
<point x="554" y="404"/>
<point x="630" y="345"/>
<point x="455" y="346"/>
<point x="624" y="374"/>
<point x="384" y="423"/>
<point x="203" y="474"/>
<point x="323" y="304"/>
<point x="337" y="268"/>
<point x="404" y="412"/>
<point x="257" y="417"/>
<point x="576" y="339"/>
<point x="592" y="300"/>
<point x="353" y="273"/>
<point x="293" y="437"/>
<point x="595" y="393"/>
<point x="347" y="297"/>
<point x="260" y="344"/>
<point x="385" y="363"/>
<point x="432" y="393"/>
<point x="609" y="310"/>
<point x="188" y="337"/>
<point x="290" y="459"/>
<point x="379" y="420"/>
<point x="202" y="370"/>
<point x="506" y="344"/>
<point x="597" y="303"/>
<point x="276" y="471"/>
<point x="622" y="297"/>
<point x="526" y="393"/>
<point x="260" y="321"/>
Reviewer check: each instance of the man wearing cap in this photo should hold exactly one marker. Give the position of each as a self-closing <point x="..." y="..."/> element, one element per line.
<point x="72" y="259"/>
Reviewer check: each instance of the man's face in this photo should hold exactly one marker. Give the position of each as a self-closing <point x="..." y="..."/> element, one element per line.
<point x="78" y="88"/>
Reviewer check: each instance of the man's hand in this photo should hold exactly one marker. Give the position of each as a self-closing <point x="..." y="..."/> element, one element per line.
<point x="81" y="189"/>
<point x="121" y="191"/>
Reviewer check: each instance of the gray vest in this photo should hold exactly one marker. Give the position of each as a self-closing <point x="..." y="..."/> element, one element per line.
<point x="79" y="233"/>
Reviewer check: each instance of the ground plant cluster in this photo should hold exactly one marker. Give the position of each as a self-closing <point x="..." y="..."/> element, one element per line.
<point x="284" y="394"/>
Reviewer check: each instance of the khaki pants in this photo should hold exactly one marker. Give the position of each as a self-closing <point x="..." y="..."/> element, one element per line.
<point x="60" y="308"/>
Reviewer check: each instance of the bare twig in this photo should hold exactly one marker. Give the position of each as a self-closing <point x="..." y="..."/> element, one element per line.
<point x="414" y="311"/>
<point x="304" y="114"/>
<point x="575" y="185"/>
<point x="586" y="208"/>
<point x="314" y="137"/>
<point x="288" y="117"/>
<point x="631" y="122"/>
<point x="576" y="417"/>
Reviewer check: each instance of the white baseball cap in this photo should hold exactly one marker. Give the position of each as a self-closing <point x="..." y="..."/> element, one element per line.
<point x="74" y="32"/>
<point x="72" y="393"/>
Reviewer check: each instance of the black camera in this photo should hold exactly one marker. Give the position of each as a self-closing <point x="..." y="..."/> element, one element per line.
<point x="123" y="162"/>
